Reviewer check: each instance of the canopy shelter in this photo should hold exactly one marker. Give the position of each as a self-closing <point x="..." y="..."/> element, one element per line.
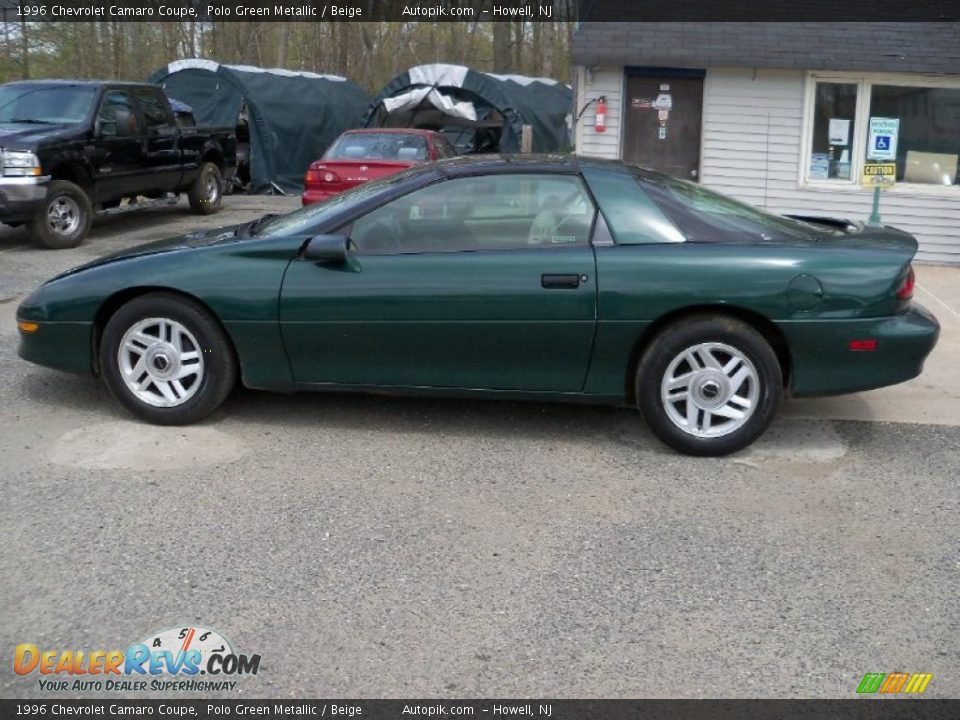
<point x="477" y="111"/>
<point x="287" y="117"/>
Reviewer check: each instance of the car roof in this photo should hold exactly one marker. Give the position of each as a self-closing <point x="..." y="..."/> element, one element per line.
<point x="90" y="83"/>
<point x="398" y="131"/>
<point x="527" y="163"/>
<point x="466" y="165"/>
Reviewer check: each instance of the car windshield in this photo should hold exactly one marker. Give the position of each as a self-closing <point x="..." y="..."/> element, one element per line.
<point x="305" y="220"/>
<point x="46" y="104"/>
<point x="378" y="146"/>
<point x="703" y="215"/>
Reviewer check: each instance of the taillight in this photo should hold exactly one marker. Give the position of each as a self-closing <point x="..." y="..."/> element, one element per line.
<point x="320" y="175"/>
<point x="905" y="291"/>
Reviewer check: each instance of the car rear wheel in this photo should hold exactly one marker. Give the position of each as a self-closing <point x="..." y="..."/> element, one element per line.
<point x="65" y="218"/>
<point x="167" y="360"/>
<point x="206" y="193"/>
<point x="709" y="386"/>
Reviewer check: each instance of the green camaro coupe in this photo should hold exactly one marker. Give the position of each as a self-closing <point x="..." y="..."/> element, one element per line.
<point x="520" y="277"/>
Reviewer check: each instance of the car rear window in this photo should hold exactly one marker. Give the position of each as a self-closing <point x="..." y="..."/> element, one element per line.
<point x="703" y="215"/>
<point x="378" y="146"/>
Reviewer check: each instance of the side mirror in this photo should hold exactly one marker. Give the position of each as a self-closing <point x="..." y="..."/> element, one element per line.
<point x="126" y="123"/>
<point x="327" y="249"/>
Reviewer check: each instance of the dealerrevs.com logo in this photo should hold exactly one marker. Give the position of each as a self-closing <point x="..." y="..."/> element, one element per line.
<point x="166" y="661"/>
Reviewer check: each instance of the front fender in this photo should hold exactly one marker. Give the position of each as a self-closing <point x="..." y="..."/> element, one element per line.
<point x="74" y="307"/>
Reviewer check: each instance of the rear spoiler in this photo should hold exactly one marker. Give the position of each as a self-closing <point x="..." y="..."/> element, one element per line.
<point x="856" y="234"/>
<point x="831" y="222"/>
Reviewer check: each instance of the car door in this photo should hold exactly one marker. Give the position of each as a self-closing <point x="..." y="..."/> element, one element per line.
<point x="475" y="282"/>
<point x="161" y="147"/>
<point x="118" y="161"/>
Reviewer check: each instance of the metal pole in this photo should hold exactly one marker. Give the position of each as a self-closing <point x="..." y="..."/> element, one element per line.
<point x="875" y="214"/>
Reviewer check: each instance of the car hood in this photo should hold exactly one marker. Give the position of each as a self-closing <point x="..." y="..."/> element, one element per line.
<point x="200" y="238"/>
<point x="26" y="136"/>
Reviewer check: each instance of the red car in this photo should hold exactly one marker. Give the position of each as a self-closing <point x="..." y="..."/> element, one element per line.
<point x="359" y="156"/>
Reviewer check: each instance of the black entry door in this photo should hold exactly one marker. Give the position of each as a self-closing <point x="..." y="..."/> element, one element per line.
<point x="662" y="127"/>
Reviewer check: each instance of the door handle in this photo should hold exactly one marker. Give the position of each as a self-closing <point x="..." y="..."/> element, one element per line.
<point x="560" y="281"/>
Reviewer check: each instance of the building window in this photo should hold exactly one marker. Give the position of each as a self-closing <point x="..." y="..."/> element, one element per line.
<point x="912" y="123"/>
<point x="927" y="132"/>
<point x="834" y="111"/>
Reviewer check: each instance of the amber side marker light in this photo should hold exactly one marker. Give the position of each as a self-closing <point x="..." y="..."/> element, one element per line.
<point x="26" y="326"/>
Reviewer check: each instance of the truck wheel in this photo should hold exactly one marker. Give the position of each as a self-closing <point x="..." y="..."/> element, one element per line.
<point x="206" y="192"/>
<point x="65" y="218"/>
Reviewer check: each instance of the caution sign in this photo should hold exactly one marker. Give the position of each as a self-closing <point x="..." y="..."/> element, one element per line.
<point x="879" y="174"/>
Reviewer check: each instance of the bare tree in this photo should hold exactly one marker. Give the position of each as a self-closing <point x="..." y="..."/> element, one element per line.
<point x="24" y="50"/>
<point x="501" y="47"/>
<point x="370" y="54"/>
<point x="283" y="44"/>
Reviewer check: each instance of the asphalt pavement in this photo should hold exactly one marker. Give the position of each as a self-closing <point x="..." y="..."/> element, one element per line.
<point x="370" y="546"/>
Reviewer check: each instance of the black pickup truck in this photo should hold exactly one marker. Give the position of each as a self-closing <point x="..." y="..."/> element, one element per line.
<point x="71" y="148"/>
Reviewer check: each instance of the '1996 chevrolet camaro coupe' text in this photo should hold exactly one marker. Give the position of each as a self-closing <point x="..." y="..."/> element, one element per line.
<point x="521" y="277"/>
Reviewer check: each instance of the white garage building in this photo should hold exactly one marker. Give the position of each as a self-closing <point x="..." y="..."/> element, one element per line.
<point x="785" y="115"/>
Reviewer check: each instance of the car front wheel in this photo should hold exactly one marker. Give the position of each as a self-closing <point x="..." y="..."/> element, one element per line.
<point x="709" y="386"/>
<point x="167" y="360"/>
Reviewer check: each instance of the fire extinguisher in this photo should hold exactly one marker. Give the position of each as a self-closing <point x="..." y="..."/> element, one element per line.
<point x="601" y="121"/>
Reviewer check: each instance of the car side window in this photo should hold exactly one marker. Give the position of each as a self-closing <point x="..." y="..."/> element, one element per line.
<point x="156" y="112"/>
<point x="113" y="100"/>
<point x="632" y="217"/>
<point x="491" y="212"/>
<point x="444" y="148"/>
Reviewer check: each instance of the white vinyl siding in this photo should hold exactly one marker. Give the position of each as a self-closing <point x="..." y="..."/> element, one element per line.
<point x="599" y="82"/>
<point x="752" y="150"/>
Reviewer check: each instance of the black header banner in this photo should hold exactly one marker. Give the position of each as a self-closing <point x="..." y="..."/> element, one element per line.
<point x="881" y="11"/>
<point x="855" y="709"/>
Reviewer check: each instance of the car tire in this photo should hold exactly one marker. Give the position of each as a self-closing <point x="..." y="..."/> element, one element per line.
<point x="167" y="360"/>
<point x="708" y="386"/>
<point x="65" y="218"/>
<point x="206" y="193"/>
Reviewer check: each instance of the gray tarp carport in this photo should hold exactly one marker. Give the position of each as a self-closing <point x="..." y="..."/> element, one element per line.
<point x="293" y="116"/>
<point x="478" y="111"/>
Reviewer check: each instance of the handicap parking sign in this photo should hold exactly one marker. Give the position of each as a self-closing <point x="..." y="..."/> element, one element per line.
<point x="882" y="144"/>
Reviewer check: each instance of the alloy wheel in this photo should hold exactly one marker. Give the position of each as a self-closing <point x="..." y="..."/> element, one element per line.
<point x="211" y="188"/>
<point x="710" y="390"/>
<point x="63" y="215"/>
<point x="161" y="362"/>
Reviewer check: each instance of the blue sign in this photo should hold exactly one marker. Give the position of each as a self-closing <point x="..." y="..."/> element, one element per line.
<point x="884" y="133"/>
